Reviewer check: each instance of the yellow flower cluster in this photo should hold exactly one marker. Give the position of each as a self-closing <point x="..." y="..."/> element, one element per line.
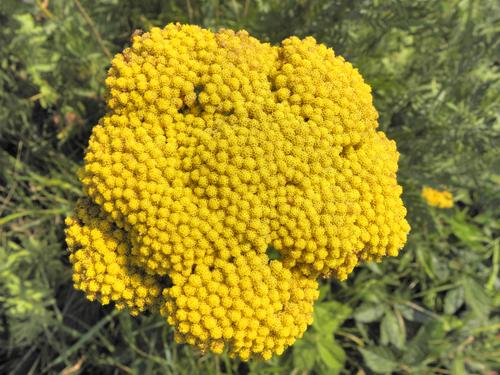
<point x="436" y="198"/>
<point x="216" y="147"/>
<point x="99" y="254"/>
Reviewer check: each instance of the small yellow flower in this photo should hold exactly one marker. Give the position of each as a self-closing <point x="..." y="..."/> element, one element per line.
<point x="437" y="198"/>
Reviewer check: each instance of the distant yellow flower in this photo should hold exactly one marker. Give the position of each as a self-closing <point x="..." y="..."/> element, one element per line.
<point x="436" y="198"/>
<point x="214" y="147"/>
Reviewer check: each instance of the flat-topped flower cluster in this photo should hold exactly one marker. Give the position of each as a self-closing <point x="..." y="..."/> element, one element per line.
<point x="216" y="147"/>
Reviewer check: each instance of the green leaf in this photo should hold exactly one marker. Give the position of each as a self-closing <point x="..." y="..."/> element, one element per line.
<point x="375" y="268"/>
<point x="328" y="316"/>
<point x="466" y="232"/>
<point x="425" y="260"/>
<point x="368" y="312"/>
<point x="272" y="253"/>
<point x="379" y="359"/>
<point x="451" y="322"/>
<point x="304" y="353"/>
<point x="457" y="366"/>
<point x="324" y="289"/>
<point x="411" y="314"/>
<point x="26" y="23"/>
<point x="429" y="340"/>
<point x="331" y="354"/>
<point x="453" y="300"/>
<point x="495" y="261"/>
<point x="476" y="298"/>
<point x="392" y="331"/>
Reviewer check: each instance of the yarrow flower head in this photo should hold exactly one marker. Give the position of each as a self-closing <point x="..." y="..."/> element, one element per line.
<point x="215" y="148"/>
<point x="437" y="198"/>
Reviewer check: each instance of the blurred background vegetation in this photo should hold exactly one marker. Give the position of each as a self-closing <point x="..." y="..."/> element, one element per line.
<point x="434" y="68"/>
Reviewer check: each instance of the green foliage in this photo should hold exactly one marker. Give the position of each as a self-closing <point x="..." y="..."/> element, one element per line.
<point x="434" y="69"/>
